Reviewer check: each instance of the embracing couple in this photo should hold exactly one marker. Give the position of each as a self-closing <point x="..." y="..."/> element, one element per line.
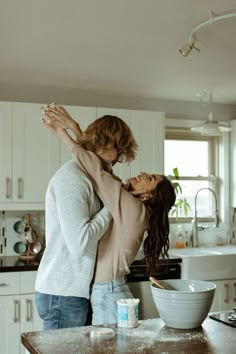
<point x="95" y="224"/>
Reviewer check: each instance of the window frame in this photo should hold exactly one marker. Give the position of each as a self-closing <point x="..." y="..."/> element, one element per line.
<point x="213" y="164"/>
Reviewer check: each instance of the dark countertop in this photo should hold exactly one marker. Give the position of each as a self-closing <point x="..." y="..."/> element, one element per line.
<point x="14" y="264"/>
<point x="151" y="336"/>
<point x="171" y="260"/>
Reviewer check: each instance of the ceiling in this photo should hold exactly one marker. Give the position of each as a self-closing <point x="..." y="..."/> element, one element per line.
<point x="123" y="47"/>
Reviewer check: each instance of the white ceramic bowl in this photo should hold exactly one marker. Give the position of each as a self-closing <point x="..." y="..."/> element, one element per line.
<point x="185" y="307"/>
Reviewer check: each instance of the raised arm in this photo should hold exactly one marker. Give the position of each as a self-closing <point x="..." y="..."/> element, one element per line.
<point x="60" y="132"/>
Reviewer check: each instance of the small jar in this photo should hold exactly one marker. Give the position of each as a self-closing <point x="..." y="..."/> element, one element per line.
<point x="180" y="239"/>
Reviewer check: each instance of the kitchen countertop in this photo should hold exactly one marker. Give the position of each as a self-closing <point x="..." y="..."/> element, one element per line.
<point x="151" y="336"/>
<point x="14" y="264"/>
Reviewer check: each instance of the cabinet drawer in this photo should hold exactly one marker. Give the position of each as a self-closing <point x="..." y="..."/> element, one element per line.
<point x="27" y="282"/>
<point x="9" y="283"/>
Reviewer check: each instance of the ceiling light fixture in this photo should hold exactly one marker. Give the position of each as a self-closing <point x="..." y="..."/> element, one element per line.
<point x="187" y="48"/>
<point x="211" y="127"/>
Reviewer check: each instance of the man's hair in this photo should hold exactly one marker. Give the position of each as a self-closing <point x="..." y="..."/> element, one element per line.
<point x="110" y="132"/>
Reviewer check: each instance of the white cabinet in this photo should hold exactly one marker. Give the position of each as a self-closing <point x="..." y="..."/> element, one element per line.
<point x="29" y="154"/>
<point x="233" y="162"/>
<point x="225" y="295"/>
<point x="149" y="131"/>
<point x="10" y="312"/>
<point x="5" y="151"/>
<point x="18" y="312"/>
<point x="84" y="116"/>
<point x="9" y="324"/>
<point x="29" y="318"/>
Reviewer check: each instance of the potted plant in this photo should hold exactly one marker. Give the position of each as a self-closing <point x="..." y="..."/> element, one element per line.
<point x="181" y="203"/>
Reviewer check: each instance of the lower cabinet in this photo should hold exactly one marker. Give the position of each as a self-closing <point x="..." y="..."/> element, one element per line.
<point x="17" y="308"/>
<point x="29" y="319"/>
<point x="225" y="295"/>
<point x="9" y="324"/>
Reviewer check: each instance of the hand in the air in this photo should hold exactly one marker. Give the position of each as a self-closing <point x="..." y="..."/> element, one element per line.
<point x="52" y="127"/>
<point x="58" y="115"/>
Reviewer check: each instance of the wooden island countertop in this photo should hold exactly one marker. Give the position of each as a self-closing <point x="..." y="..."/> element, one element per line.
<point x="151" y="336"/>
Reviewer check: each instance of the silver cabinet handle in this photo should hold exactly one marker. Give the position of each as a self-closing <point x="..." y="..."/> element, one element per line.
<point x="8" y="188"/>
<point x="227" y="293"/>
<point x="20" y="188"/>
<point x="16" y="311"/>
<point x="234" y="285"/>
<point x="28" y="317"/>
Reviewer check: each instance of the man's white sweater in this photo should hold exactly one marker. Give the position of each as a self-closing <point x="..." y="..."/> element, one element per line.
<point x="75" y="223"/>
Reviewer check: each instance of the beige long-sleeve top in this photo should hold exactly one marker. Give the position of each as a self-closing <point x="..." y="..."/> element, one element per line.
<point x="121" y="242"/>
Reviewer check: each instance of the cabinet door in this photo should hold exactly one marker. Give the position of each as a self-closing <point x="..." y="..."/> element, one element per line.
<point x="9" y="283"/>
<point x="35" y="154"/>
<point x="5" y="152"/>
<point x="27" y="282"/>
<point x="84" y="116"/>
<point x="220" y="302"/>
<point x="233" y="293"/>
<point x="10" y="324"/>
<point x="225" y="295"/>
<point x="30" y="320"/>
<point x="148" y="130"/>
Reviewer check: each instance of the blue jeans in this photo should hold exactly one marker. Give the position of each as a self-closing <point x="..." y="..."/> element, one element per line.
<point x="104" y="297"/>
<point x="61" y="311"/>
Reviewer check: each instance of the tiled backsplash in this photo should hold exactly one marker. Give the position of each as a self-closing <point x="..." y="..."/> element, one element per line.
<point x="211" y="236"/>
<point x="8" y="236"/>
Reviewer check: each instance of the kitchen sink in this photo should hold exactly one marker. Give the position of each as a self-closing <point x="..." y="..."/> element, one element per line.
<point x="227" y="249"/>
<point x="192" y="252"/>
<point x="202" y="251"/>
<point x="205" y="263"/>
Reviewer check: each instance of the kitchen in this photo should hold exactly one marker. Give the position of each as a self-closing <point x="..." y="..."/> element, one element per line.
<point x="23" y="92"/>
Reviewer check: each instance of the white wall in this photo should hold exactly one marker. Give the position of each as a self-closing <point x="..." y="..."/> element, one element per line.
<point x="173" y="108"/>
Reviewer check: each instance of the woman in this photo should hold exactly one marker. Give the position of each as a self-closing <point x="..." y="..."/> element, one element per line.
<point x="131" y="218"/>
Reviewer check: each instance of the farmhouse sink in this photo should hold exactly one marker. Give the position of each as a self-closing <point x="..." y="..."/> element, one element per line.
<point x="207" y="263"/>
<point x="192" y="252"/>
<point x="202" y="251"/>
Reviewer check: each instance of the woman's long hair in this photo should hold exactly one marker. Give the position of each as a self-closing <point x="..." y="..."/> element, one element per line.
<point x="156" y="244"/>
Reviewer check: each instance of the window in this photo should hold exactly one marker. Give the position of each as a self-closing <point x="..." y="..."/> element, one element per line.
<point x="194" y="156"/>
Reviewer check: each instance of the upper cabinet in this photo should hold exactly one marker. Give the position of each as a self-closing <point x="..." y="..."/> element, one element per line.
<point x="233" y="162"/>
<point x="29" y="156"/>
<point x="5" y="152"/>
<point x="148" y="128"/>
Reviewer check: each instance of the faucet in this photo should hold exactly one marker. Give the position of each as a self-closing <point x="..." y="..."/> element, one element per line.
<point x="195" y="219"/>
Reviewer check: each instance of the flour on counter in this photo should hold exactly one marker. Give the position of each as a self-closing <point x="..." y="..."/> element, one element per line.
<point x="149" y="331"/>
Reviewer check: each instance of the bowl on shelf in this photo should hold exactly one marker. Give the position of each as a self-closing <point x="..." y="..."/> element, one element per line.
<point x="187" y="305"/>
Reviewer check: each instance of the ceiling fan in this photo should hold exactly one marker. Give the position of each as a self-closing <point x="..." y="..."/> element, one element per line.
<point x="211" y="127"/>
